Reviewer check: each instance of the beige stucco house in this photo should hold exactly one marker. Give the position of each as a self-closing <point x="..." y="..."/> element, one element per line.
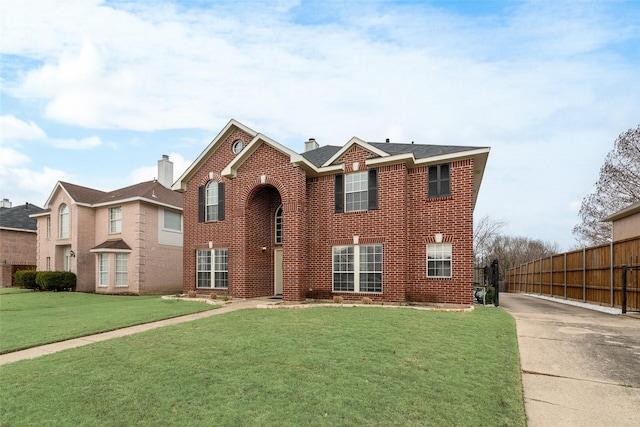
<point x="126" y="241"/>
<point x="626" y="222"/>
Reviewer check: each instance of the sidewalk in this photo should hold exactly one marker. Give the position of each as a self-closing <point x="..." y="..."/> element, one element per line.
<point x="32" y="353"/>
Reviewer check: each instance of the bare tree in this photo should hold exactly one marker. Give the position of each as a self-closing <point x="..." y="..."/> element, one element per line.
<point x="485" y="232"/>
<point x="513" y="251"/>
<point x="618" y="187"/>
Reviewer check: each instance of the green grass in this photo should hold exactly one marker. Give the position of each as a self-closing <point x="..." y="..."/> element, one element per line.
<point x="30" y="318"/>
<point x="317" y="366"/>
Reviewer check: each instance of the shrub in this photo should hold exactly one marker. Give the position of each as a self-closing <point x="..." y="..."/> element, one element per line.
<point x="192" y="294"/>
<point x="367" y="300"/>
<point x="491" y="294"/>
<point x="213" y="295"/>
<point x="56" y="281"/>
<point x="338" y="299"/>
<point x="26" y="279"/>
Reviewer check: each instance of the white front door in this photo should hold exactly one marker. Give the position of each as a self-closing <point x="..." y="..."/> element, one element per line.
<point x="277" y="271"/>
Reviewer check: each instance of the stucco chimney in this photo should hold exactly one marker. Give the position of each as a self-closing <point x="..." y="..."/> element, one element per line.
<point x="5" y="203"/>
<point x="311" y="144"/>
<point x="165" y="171"/>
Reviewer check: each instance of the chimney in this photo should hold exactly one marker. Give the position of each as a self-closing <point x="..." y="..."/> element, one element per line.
<point x="311" y="144"/>
<point x="165" y="171"/>
<point x="5" y="203"/>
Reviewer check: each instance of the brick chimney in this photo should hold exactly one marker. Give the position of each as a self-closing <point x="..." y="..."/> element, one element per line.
<point x="165" y="171"/>
<point x="5" y="203"/>
<point x="311" y="144"/>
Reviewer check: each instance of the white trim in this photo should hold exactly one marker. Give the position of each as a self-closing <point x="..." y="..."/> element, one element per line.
<point x="107" y="250"/>
<point x="355" y="141"/>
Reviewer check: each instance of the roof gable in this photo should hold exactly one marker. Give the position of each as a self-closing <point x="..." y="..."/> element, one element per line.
<point x="230" y="127"/>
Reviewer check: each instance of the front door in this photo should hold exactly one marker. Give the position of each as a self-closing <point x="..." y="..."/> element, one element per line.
<point x="277" y="271"/>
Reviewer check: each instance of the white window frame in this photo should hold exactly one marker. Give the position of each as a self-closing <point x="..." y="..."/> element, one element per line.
<point x="215" y="271"/>
<point x="439" y="255"/>
<point x="103" y="270"/>
<point x="122" y="270"/>
<point x="48" y="227"/>
<point x="356" y="183"/>
<point x="349" y="260"/>
<point x="211" y="201"/>
<point x="115" y="220"/>
<point x="63" y="221"/>
<point x="278" y="226"/>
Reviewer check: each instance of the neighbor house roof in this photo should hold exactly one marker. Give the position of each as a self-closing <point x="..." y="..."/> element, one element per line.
<point x="623" y="213"/>
<point x="17" y="217"/>
<point x="149" y="191"/>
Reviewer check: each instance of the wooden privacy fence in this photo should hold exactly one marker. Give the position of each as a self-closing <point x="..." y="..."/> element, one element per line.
<point x="592" y="275"/>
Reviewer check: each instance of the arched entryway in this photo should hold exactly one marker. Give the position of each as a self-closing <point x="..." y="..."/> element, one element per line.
<point x="263" y="242"/>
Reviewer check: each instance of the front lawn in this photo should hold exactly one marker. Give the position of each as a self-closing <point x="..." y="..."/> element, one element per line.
<point x="29" y="318"/>
<point x="282" y="367"/>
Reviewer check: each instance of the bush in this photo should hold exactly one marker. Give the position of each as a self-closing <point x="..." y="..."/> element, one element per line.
<point x="338" y="299"/>
<point x="26" y="279"/>
<point x="491" y="294"/>
<point x="56" y="281"/>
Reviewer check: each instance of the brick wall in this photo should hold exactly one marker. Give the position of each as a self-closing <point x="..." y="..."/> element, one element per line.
<point x="403" y="224"/>
<point x="16" y="248"/>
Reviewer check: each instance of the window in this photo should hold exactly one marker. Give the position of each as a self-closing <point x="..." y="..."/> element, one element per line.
<point x="211" y="202"/>
<point x="115" y="220"/>
<point x="212" y="267"/>
<point x="278" y="225"/>
<point x="357" y="268"/>
<point x="237" y="146"/>
<point x="48" y="227"/>
<point x="172" y="220"/>
<point x="356" y="191"/>
<point x="63" y="222"/>
<point x="439" y="260"/>
<point x="122" y="270"/>
<point x="48" y="264"/>
<point x="439" y="181"/>
<point x="103" y="269"/>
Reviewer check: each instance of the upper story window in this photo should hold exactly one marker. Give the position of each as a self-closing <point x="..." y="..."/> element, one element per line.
<point x="211" y="202"/>
<point x="237" y="146"/>
<point x="115" y="220"/>
<point x="63" y="222"/>
<point x="48" y="227"/>
<point x="439" y="181"/>
<point x="172" y="220"/>
<point x="356" y="191"/>
<point x="278" y="225"/>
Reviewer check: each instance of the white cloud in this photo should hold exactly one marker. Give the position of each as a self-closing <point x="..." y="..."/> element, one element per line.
<point x="77" y="144"/>
<point x="13" y="129"/>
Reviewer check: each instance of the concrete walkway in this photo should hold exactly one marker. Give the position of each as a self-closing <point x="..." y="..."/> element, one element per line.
<point x="579" y="367"/>
<point x="32" y="353"/>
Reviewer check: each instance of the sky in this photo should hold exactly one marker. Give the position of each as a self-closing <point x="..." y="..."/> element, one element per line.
<point x="95" y="92"/>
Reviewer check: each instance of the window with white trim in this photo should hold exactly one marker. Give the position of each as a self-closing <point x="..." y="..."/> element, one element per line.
<point x="278" y="225"/>
<point x="63" y="222"/>
<point x="48" y="227"/>
<point x="122" y="270"/>
<point x="212" y="268"/>
<point x="103" y="269"/>
<point x="356" y="191"/>
<point x="212" y="201"/>
<point x="115" y="220"/>
<point x="439" y="259"/>
<point x="357" y="268"/>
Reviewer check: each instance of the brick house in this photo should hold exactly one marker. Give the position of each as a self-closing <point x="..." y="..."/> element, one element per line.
<point x="393" y="222"/>
<point x="17" y="240"/>
<point x="126" y="241"/>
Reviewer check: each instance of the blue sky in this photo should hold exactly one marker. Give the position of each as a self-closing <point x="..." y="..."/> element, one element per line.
<point x="95" y="92"/>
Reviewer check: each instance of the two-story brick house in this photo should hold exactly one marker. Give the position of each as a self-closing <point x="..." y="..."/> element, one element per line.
<point x="126" y="241"/>
<point x="393" y="222"/>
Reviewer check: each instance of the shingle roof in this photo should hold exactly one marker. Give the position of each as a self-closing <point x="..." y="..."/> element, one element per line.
<point x="151" y="190"/>
<point x="18" y="217"/>
<point x="420" y="151"/>
<point x="113" y="244"/>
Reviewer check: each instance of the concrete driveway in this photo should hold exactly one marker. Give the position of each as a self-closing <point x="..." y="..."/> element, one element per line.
<point x="579" y="367"/>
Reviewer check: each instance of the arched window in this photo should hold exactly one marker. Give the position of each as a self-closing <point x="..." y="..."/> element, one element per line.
<point x="278" y="224"/>
<point x="212" y="201"/>
<point x="63" y="222"/>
